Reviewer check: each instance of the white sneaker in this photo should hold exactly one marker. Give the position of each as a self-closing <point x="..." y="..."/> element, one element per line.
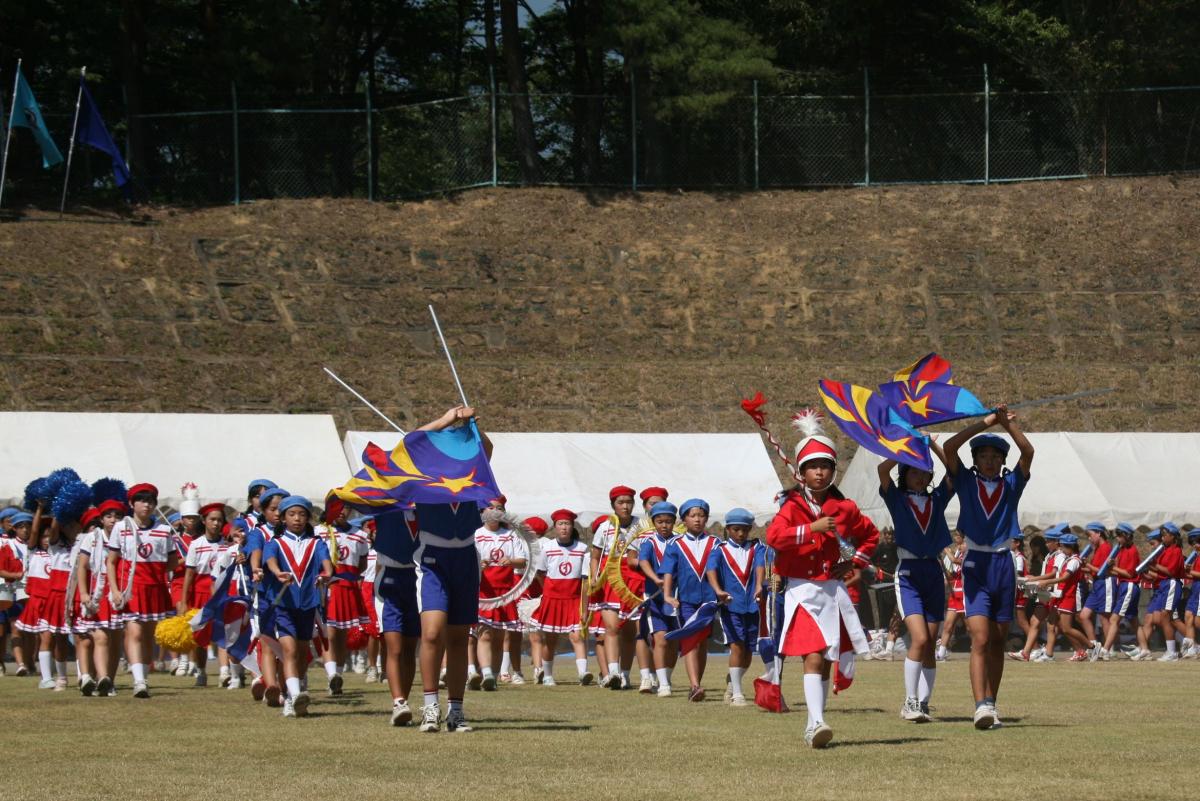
<point x="488" y="685"/>
<point x="46" y="684"/>
<point x="456" y="721"/>
<point x="548" y="681"/>
<point x="664" y="691"/>
<point x="818" y="735"/>
<point x="517" y="678"/>
<point x="1036" y="652"/>
<point x="300" y="704"/>
<point x="401" y="713"/>
<point x="940" y="655"/>
<point x="140" y="690"/>
<point x="538" y="675"/>
<point x="372" y="676"/>
<point x="360" y="663"/>
<point x="1105" y="656"/>
<point x="585" y="678"/>
<point x="226" y="678"/>
<point x="739" y="700"/>
<point x="235" y="683"/>
<point x="1042" y="657"/>
<point x="996" y="724"/>
<point x="105" y="688"/>
<point x="613" y="681"/>
<point x="1169" y="657"/>
<point x="1140" y="656"/>
<point x="201" y="680"/>
<point x="985" y="716"/>
<point x="911" y="710"/>
<point x="474" y="681"/>
<point x="60" y="684"/>
<point x="624" y="685"/>
<point x="647" y="686"/>
<point x="431" y="718"/>
<point x="183" y="667"/>
<point x="289" y="709"/>
<point x="87" y="685"/>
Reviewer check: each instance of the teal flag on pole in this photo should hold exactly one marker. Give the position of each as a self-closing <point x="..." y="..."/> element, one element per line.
<point x="26" y="114"/>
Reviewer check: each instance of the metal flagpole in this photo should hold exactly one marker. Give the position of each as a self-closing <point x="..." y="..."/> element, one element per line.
<point x="449" y="358"/>
<point x="71" y="149"/>
<point x="358" y="395"/>
<point x="8" y="136"/>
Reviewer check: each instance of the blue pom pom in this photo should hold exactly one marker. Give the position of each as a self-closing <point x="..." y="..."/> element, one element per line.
<point x="71" y="501"/>
<point x="108" y="489"/>
<point x="61" y="476"/>
<point x="38" y="490"/>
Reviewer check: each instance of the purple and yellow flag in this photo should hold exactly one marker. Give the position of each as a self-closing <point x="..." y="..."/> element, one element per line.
<point x="924" y="393"/>
<point x="447" y="466"/>
<point x="868" y="420"/>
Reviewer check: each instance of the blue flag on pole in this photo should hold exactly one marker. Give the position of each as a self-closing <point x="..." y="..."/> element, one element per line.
<point x="91" y="131"/>
<point x="26" y="114"/>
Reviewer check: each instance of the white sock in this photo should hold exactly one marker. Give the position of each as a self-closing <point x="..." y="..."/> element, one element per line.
<point x="138" y="671"/>
<point x="613" y="668"/>
<point x="60" y="669"/>
<point x="487" y="672"/>
<point x="431" y="699"/>
<point x="664" y="677"/>
<point x="45" y="661"/>
<point x="471" y="671"/>
<point x="581" y="666"/>
<point x="293" y="687"/>
<point x="506" y="663"/>
<point x="1170" y="646"/>
<point x="912" y="675"/>
<point x="625" y="676"/>
<point x="224" y="671"/>
<point x="925" y="686"/>
<point x="814" y="697"/>
<point x="646" y="673"/>
<point x="735" y="680"/>
<point x="548" y="666"/>
<point x="331" y="669"/>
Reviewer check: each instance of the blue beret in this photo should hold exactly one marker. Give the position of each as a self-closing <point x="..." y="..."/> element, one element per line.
<point x="21" y="517"/>
<point x="1054" y="532"/>
<point x="240" y="522"/>
<point x="1096" y="525"/>
<point x="173" y="517"/>
<point x="271" y="493"/>
<point x="292" y="501"/>
<point x="692" y="503"/>
<point x="1068" y="539"/>
<point x="265" y="483"/>
<point x="1020" y="535"/>
<point x="9" y="511"/>
<point x="1154" y="535"/>
<point x="1171" y="527"/>
<point x="1125" y="528"/>
<point x="739" y="517"/>
<point x="1194" y="534"/>
<point x="990" y="441"/>
<point x="660" y="508"/>
<point x="358" y="522"/>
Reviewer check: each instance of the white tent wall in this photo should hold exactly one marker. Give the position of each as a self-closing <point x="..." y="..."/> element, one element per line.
<point x="541" y="472"/>
<point x="221" y="453"/>
<point x="1143" y="479"/>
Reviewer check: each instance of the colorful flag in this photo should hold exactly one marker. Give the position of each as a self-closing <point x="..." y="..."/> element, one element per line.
<point x="26" y="114"/>
<point x="434" y="467"/>
<point x="91" y="131"/>
<point x="924" y="394"/>
<point x="225" y="619"/>
<point x="695" y="630"/>
<point x="868" y="420"/>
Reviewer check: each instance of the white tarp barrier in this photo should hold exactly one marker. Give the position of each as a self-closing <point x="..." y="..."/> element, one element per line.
<point x="221" y="453"/>
<point x="1139" y="478"/>
<point x="541" y="472"/>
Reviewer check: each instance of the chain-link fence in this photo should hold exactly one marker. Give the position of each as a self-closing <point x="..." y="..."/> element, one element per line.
<point x="638" y="140"/>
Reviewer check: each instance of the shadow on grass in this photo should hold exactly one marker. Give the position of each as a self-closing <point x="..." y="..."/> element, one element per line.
<point x="970" y="719"/>
<point x="486" y="726"/>
<point x="889" y="741"/>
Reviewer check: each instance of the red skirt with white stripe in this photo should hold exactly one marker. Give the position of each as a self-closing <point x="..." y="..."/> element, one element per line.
<point x="28" y="621"/>
<point x="148" y="603"/>
<point x="502" y="617"/>
<point x="346" y="608"/>
<point x="557" y="614"/>
<point x="53" y="614"/>
<point x="103" y="619"/>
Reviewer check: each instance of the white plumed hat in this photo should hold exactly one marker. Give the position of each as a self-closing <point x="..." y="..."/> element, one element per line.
<point x="813" y="442"/>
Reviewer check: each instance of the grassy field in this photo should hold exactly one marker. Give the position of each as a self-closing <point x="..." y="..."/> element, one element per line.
<point x="1072" y="731"/>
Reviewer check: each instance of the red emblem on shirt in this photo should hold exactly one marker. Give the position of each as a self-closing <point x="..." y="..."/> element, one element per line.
<point x="564" y="568"/>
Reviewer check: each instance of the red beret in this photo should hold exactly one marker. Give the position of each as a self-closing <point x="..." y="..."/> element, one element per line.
<point x="502" y="499"/>
<point x="212" y="507"/>
<point x="89" y="517"/>
<point x="112" y="505"/>
<point x="651" y="492"/>
<point x="536" y="524"/>
<point x="136" y="488"/>
<point x="619" y="490"/>
<point x="563" y="514"/>
<point x="597" y="522"/>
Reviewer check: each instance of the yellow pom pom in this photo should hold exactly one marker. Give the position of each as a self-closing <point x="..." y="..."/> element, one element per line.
<point x="175" y="633"/>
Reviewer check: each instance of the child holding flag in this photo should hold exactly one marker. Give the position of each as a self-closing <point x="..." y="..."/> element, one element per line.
<point x="265" y="590"/>
<point x="989" y="495"/>
<point x="660" y="617"/>
<point x="736" y="572"/>
<point x="685" y="587"/>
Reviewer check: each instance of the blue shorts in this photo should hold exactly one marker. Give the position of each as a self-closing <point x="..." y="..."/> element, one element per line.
<point x="1128" y="595"/>
<point x="659" y="616"/>
<point x="397" y="588"/>
<point x="11" y="614"/>
<point x="739" y="627"/>
<point x="1103" y="597"/>
<point x="266" y="617"/>
<point x="1192" y="600"/>
<point x="990" y="585"/>
<point x="448" y="581"/>
<point x="297" y="623"/>
<point x="920" y="589"/>
<point x="1166" y="597"/>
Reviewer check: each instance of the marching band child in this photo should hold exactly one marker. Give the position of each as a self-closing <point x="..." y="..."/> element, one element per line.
<point x="685" y="587"/>
<point x="1043" y="611"/>
<point x="37" y="585"/>
<point x="1021" y="566"/>
<point x="1069" y="598"/>
<point x="253" y="512"/>
<point x="951" y="562"/>
<point x="396" y="541"/>
<point x="82" y="621"/>
<point x="1148" y="581"/>
<point x="266" y="685"/>
<point x="736" y="571"/>
<point x="1127" y="592"/>
<point x="142" y="554"/>
<point x="1191" y="567"/>
<point x="807" y="535"/>
<point x="300" y="563"/>
<point x="660" y="616"/>
<point x="919" y="518"/>
<point x="367" y="588"/>
<point x="532" y="630"/>
<point x="561" y="565"/>
<point x="200" y="566"/>
<point x="1168" y="569"/>
<point x="1102" y="596"/>
<point x="502" y="553"/>
<point x="988" y="497"/>
<point x="344" y="609"/>
<point x="53" y="625"/>
<point x="14" y="558"/>
<point x="618" y="639"/>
